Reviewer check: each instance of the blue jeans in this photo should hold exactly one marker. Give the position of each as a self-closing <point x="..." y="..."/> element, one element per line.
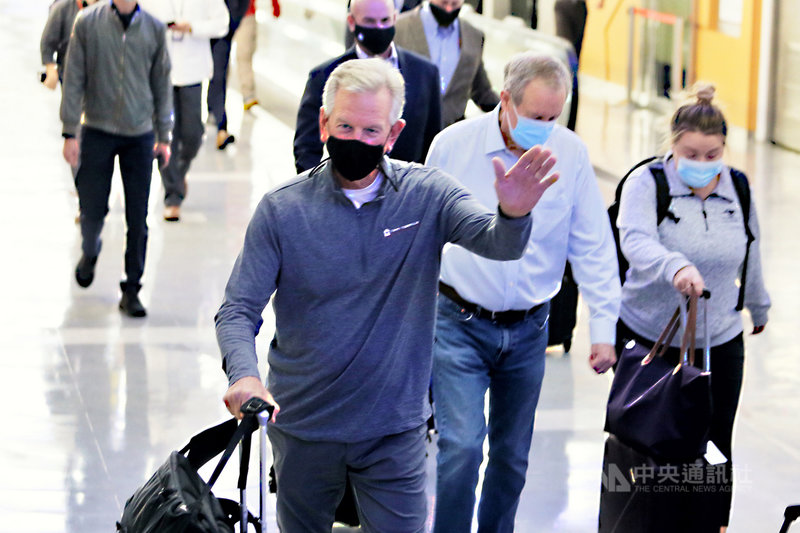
<point x="470" y="356"/>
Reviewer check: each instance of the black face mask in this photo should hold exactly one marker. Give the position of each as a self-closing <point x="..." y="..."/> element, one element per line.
<point x="353" y="159"/>
<point x="374" y="40"/>
<point x="443" y="17"/>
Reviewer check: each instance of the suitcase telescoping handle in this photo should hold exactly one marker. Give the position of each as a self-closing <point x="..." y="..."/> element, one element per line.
<point x="790" y="515"/>
<point x="255" y="406"/>
<point x="262" y="411"/>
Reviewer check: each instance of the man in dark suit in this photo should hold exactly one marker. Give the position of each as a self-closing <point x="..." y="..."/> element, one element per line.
<point x="434" y="30"/>
<point x="372" y="21"/>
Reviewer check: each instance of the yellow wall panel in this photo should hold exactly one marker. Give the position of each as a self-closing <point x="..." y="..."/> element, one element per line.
<point x="731" y="63"/>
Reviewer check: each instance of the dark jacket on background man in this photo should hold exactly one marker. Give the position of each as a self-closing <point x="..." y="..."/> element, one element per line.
<point x="117" y="78"/>
<point x="422" y="112"/>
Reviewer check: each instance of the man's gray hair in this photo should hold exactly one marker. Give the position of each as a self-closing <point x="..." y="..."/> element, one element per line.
<point x="366" y="76"/>
<point x="527" y="66"/>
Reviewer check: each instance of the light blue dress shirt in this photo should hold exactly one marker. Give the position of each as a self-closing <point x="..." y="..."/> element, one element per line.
<point x="392" y="59"/>
<point x="443" y="45"/>
<point x="569" y="222"/>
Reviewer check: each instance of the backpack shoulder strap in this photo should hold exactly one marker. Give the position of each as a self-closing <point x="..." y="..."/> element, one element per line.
<point x="662" y="190"/>
<point x="742" y="187"/>
<point x="618" y="191"/>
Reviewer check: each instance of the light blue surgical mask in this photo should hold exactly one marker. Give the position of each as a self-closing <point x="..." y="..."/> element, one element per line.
<point x="698" y="174"/>
<point x="529" y="132"/>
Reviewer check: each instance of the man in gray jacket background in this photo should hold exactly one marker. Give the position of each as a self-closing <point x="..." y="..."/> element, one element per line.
<point x="55" y="38"/>
<point x="117" y="87"/>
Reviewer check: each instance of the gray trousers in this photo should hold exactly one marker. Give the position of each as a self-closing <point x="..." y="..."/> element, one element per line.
<point x="187" y="137"/>
<point x="387" y="474"/>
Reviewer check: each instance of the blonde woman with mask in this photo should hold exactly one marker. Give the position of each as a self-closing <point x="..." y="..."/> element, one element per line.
<point x="702" y="243"/>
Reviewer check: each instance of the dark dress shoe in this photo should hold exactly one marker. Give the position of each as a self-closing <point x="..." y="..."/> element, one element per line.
<point x="84" y="272"/>
<point x="131" y="305"/>
<point x="224" y="139"/>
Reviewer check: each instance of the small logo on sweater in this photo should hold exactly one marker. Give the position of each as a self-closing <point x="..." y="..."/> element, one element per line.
<point x="389" y="232"/>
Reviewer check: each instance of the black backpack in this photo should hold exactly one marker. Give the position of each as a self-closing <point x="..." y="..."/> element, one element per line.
<point x="663" y="201"/>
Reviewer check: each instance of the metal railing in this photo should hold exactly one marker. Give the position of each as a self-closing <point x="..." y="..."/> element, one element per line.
<point x="677" y="23"/>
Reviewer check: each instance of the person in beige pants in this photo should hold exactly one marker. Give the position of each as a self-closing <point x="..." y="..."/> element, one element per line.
<point x="246" y="40"/>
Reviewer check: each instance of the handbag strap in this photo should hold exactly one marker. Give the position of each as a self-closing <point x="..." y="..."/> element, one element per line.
<point x="689" y="339"/>
<point x="689" y="332"/>
<point x="664" y="340"/>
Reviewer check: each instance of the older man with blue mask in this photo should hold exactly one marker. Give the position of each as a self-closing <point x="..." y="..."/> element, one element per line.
<point x="491" y="329"/>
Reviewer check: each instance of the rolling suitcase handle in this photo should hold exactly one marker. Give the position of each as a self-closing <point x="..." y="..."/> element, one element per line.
<point x="790" y="515"/>
<point x="262" y="411"/>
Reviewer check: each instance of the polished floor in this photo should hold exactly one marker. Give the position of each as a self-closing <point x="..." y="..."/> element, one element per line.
<point x="92" y="402"/>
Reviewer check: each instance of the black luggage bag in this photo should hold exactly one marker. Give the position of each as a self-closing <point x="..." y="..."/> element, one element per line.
<point x="176" y="499"/>
<point x="563" y="312"/>
<point x="640" y="495"/>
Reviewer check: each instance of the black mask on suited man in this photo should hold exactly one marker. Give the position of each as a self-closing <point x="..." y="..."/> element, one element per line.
<point x="353" y="159"/>
<point x="443" y="17"/>
<point x="374" y="40"/>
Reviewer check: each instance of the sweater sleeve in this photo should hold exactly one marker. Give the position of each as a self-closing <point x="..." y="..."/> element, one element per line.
<point x="638" y="231"/>
<point x="250" y="286"/>
<point x="756" y="298"/>
<point x="161" y="87"/>
<point x="467" y="223"/>
<point x="51" y="35"/>
<point x="75" y="74"/>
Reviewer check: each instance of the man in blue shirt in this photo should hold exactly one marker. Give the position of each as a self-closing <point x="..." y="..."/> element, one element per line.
<point x="435" y="30"/>
<point x="491" y="329"/>
<point x="351" y="250"/>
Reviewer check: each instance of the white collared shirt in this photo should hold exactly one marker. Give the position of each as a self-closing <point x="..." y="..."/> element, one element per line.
<point x="392" y="59"/>
<point x="569" y="222"/>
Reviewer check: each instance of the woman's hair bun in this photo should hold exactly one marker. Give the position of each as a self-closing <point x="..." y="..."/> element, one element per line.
<point x="704" y="93"/>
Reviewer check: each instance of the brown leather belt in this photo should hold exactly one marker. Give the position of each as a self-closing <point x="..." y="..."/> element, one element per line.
<point x="499" y="317"/>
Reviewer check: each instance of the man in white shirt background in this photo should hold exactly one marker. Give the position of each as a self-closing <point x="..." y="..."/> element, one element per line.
<point x="190" y="26"/>
<point x="491" y="330"/>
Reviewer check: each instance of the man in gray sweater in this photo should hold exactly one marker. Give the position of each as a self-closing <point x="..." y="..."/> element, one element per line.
<point x="55" y="38"/>
<point x="117" y="86"/>
<point x="351" y="250"/>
